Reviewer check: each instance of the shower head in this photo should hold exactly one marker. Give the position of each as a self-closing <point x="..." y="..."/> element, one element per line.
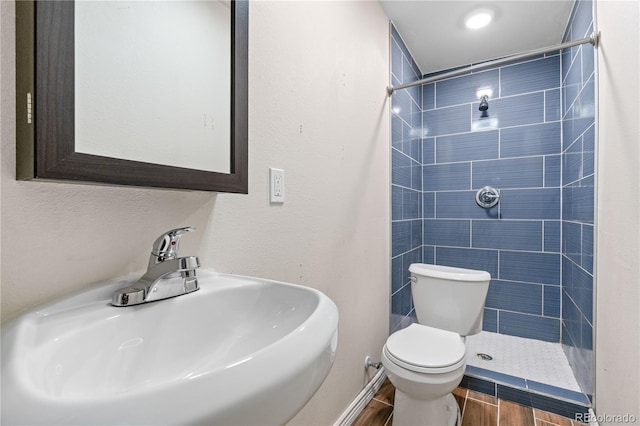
<point x="484" y="103"/>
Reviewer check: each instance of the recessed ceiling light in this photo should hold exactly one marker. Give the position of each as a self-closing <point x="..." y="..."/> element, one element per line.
<point x="478" y="19"/>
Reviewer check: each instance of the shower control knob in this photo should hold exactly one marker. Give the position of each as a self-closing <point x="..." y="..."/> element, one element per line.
<point x="487" y="197"/>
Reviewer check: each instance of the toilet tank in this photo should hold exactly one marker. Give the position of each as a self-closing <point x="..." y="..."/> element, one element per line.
<point x="449" y="298"/>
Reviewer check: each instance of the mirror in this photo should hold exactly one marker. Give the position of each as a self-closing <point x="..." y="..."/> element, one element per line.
<point x="133" y="93"/>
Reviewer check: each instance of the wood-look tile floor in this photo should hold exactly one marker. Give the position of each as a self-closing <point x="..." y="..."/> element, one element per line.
<point x="477" y="409"/>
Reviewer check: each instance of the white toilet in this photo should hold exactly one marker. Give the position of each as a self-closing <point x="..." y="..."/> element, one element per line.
<point x="426" y="361"/>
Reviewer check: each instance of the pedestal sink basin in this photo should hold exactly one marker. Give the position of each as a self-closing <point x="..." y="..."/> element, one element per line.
<point x="240" y="351"/>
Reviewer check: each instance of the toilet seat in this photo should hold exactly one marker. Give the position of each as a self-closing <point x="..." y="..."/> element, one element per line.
<point x="425" y="349"/>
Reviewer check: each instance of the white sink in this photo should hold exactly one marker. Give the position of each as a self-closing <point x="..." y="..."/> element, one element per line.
<point x="240" y="351"/>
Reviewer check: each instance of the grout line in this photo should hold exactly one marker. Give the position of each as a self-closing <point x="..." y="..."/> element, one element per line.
<point x="385" y="403"/>
<point x="389" y="419"/>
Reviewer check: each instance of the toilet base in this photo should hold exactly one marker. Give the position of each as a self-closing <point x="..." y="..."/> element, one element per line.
<point x="407" y="411"/>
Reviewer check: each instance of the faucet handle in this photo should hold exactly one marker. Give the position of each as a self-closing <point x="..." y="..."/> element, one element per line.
<point x="166" y="246"/>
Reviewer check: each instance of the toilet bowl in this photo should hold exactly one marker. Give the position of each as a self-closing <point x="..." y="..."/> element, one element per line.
<point x="425" y="362"/>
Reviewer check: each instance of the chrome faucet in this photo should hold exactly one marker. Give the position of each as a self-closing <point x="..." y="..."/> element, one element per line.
<point x="167" y="274"/>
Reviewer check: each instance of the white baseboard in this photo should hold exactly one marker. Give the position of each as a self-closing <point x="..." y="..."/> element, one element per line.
<point x="361" y="400"/>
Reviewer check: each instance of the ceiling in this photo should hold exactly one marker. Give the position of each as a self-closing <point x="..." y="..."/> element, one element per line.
<point x="434" y="30"/>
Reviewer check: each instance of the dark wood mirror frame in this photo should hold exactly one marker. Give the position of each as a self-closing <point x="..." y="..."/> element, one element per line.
<point x="45" y="109"/>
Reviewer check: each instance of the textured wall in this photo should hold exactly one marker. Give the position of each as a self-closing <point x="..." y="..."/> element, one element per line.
<point x="617" y="344"/>
<point x="318" y="109"/>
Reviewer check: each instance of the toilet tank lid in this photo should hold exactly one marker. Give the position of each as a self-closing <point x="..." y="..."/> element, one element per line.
<point x="449" y="272"/>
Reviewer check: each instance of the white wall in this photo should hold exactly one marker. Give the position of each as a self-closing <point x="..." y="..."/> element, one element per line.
<point x="318" y="109"/>
<point x="617" y="348"/>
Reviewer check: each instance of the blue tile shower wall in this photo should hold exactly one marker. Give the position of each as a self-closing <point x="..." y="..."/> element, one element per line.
<point x="536" y="145"/>
<point x="578" y="147"/>
<point x="516" y="147"/>
<point x="406" y="181"/>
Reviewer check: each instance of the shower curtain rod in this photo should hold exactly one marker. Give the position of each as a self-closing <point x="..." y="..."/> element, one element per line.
<point x="593" y="39"/>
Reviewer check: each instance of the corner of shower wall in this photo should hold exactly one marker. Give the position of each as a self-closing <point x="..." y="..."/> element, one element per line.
<point x="578" y="194"/>
<point x="406" y="181"/>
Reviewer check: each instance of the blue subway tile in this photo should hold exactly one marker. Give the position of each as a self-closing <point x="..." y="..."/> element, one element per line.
<point x="515" y="395"/>
<point x="578" y="285"/>
<point x="416" y="175"/>
<point x="402" y="105"/>
<point x="535" y="139"/>
<point x="582" y="19"/>
<point x="397" y="275"/>
<point x="479" y="385"/>
<point x="409" y="74"/>
<point x="490" y="320"/>
<point x="396" y="202"/>
<point x="396" y="132"/>
<point x="512" y="111"/>
<point x="507" y="234"/>
<point x="465" y="89"/>
<point x="572" y="84"/>
<point x="447" y="232"/>
<point x="529" y="326"/>
<point x="415" y="120"/>
<point x="413" y="256"/>
<point x="557" y="391"/>
<point x="443" y="177"/>
<point x="587" y="248"/>
<point x="552" y="236"/>
<point x="578" y="201"/>
<point x="483" y="260"/>
<point x="429" y="205"/>
<point x="401" y="301"/>
<point x="571" y="334"/>
<point x="568" y="344"/>
<point x="581" y="115"/>
<point x="553" y="405"/>
<point x="508" y="173"/>
<point x="586" y="335"/>
<point x="552" y="168"/>
<point x="413" y="148"/>
<point x="543" y="203"/>
<point x="530" y="267"/>
<point x="467" y="147"/>
<point x="428" y="150"/>
<point x="428" y="96"/>
<point x="400" y="169"/>
<point x="572" y="241"/>
<point x="553" y="110"/>
<point x="531" y="76"/>
<point x="400" y="237"/>
<point x="396" y="59"/>
<point x="443" y="121"/>
<point x="462" y="205"/>
<point x="428" y="254"/>
<point x="572" y="163"/>
<point x="411" y="203"/>
<point x="551" y="301"/>
<point x="588" y="151"/>
<point x="567" y="57"/>
<point x="513" y="296"/>
<point x="416" y="233"/>
<point x="588" y="61"/>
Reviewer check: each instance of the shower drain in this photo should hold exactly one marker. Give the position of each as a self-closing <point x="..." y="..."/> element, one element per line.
<point x="484" y="357"/>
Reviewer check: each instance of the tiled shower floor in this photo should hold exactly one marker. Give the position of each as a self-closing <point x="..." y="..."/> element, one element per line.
<point x="529" y="359"/>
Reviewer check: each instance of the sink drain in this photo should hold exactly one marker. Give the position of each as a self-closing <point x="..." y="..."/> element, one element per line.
<point x="484" y="357"/>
